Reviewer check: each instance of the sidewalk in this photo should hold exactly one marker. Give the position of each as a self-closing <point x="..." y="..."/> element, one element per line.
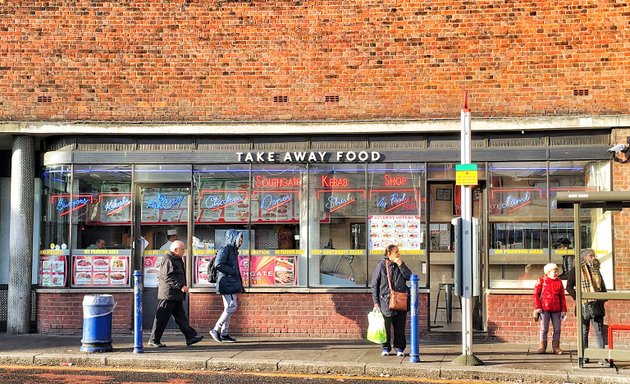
<point x="507" y="362"/>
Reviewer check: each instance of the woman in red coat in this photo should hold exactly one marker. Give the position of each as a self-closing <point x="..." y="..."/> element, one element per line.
<point x="550" y="304"/>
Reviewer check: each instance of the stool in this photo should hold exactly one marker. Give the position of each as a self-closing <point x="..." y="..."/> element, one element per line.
<point x="448" y="296"/>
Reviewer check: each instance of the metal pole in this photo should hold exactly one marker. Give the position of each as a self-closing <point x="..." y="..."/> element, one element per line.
<point x="137" y="305"/>
<point x="414" y="356"/>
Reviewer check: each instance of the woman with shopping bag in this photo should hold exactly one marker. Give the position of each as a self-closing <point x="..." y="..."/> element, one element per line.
<point x="390" y="297"/>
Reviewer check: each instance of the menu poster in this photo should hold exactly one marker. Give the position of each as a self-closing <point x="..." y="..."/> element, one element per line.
<point x="402" y="230"/>
<point x="52" y="270"/>
<point x="151" y="266"/>
<point x="100" y="270"/>
<point x="268" y="270"/>
<point x="115" y="207"/>
<point x="340" y="203"/>
<point x="201" y="269"/>
<point x="164" y="205"/>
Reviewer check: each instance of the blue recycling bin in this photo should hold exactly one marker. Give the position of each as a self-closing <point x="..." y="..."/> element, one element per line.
<point x="97" y="323"/>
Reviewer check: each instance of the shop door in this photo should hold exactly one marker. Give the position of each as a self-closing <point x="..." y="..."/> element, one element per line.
<point x="162" y="216"/>
<point x="444" y="205"/>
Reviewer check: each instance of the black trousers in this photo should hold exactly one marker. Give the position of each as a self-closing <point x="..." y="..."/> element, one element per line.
<point x="166" y="309"/>
<point x="398" y="321"/>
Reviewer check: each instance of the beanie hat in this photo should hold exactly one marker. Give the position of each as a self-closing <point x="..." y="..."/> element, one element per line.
<point x="549" y="267"/>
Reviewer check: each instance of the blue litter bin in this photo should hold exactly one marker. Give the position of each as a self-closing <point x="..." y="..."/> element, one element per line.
<point x="97" y="323"/>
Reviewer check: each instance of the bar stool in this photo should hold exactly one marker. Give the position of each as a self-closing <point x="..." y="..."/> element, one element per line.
<point x="448" y="302"/>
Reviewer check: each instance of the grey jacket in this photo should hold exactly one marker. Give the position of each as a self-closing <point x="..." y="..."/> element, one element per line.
<point x="380" y="288"/>
<point x="171" y="279"/>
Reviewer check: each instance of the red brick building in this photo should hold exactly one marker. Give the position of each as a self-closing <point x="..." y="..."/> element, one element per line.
<point x="128" y="101"/>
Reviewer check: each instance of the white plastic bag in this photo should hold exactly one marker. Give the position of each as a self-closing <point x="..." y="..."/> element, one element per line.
<point x="376" y="327"/>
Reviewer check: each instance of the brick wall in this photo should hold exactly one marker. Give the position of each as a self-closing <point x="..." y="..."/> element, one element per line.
<point x="327" y="315"/>
<point x="510" y="319"/>
<point x="61" y="313"/>
<point x="191" y="61"/>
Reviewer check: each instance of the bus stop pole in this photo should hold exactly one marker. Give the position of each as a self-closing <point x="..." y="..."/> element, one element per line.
<point x="137" y="316"/>
<point x="414" y="356"/>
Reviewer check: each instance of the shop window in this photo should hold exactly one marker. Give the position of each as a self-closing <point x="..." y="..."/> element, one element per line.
<point x="337" y="207"/>
<point x="396" y="206"/>
<point x="221" y="202"/>
<point x="54" y="251"/>
<point x="101" y="226"/>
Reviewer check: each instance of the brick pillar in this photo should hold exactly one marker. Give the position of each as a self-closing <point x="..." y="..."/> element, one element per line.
<point x="21" y="235"/>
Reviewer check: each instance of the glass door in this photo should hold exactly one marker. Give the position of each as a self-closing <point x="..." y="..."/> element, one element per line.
<point x="162" y="217"/>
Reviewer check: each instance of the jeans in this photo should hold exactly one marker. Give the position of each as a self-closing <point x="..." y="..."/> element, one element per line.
<point x="544" y="325"/>
<point x="598" y="329"/>
<point x="229" y="307"/>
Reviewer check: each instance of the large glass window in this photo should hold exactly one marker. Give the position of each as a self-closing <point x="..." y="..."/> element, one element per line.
<point x="396" y="210"/>
<point x="101" y="226"/>
<point x="337" y="214"/>
<point x="54" y="251"/>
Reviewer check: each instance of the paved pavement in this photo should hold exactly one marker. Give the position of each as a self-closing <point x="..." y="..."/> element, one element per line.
<point x="506" y="362"/>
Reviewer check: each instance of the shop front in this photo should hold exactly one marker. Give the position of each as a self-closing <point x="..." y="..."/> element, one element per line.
<point x="316" y="221"/>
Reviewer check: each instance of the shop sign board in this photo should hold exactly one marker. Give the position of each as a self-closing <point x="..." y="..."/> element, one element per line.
<point x="466" y="174"/>
<point x="100" y="268"/>
<point x="53" y="266"/>
<point x="402" y="230"/>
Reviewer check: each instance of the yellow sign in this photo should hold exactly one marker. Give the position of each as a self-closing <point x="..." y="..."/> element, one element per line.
<point x="466" y="174"/>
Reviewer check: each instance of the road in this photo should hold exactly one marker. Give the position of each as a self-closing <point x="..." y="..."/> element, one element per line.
<point x="81" y="375"/>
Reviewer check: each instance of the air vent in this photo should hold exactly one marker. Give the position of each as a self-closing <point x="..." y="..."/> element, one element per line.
<point x="332" y="99"/>
<point x="281" y="99"/>
<point x="44" y="99"/>
<point x="580" y="92"/>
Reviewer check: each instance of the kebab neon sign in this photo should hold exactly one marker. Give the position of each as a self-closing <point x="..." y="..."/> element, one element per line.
<point x="114" y="206"/>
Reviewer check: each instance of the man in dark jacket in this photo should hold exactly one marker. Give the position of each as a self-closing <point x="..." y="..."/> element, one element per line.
<point x="229" y="283"/>
<point x="172" y="291"/>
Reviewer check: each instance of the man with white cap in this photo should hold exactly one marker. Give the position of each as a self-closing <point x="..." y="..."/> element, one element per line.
<point x="171" y="235"/>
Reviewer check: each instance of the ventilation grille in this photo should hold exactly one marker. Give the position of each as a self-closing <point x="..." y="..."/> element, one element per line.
<point x="580" y="92"/>
<point x="332" y="98"/>
<point x="281" y="99"/>
<point x="44" y="99"/>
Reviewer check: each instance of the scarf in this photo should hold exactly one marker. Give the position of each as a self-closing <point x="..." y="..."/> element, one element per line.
<point x="591" y="278"/>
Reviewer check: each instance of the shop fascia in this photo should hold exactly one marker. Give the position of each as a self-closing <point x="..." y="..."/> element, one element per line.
<point x="308" y="157"/>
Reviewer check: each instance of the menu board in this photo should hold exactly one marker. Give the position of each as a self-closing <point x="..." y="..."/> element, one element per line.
<point x="164" y="206"/>
<point x="52" y="268"/>
<point x="151" y="268"/>
<point x="100" y="268"/>
<point x="402" y="230"/>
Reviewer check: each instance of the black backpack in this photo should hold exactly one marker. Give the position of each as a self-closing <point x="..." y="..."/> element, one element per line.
<point x="212" y="271"/>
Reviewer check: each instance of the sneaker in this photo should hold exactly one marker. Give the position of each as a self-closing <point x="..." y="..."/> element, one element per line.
<point x="194" y="340"/>
<point x="228" y="339"/>
<point x="215" y="335"/>
<point x="385" y="352"/>
<point x="156" y="344"/>
<point x="400" y="352"/>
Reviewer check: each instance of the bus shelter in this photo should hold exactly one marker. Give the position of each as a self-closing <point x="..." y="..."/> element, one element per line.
<point x="607" y="201"/>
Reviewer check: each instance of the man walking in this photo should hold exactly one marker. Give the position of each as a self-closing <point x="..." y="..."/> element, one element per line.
<point x="172" y="291"/>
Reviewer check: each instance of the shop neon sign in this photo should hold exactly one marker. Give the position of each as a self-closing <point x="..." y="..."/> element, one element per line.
<point x="269" y="202"/>
<point x="396" y="201"/>
<point x="276" y="182"/>
<point x="216" y="202"/>
<point x="164" y="202"/>
<point x="115" y="205"/>
<point x="512" y="203"/>
<point x="335" y="203"/>
<point x="334" y="182"/>
<point x="65" y="206"/>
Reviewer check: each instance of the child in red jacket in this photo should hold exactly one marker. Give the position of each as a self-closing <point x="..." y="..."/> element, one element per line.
<point x="550" y="303"/>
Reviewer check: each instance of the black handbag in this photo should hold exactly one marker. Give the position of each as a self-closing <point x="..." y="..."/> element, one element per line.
<point x="592" y="310"/>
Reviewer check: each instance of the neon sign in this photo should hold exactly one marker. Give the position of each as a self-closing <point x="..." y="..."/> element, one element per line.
<point x="334" y="182"/>
<point x="335" y="203"/>
<point x="268" y="202"/>
<point x="216" y="202"/>
<point x="396" y="201"/>
<point x="164" y="202"/>
<point x="65" y="206"/>
<point x="275" y="182"/>
<point x="114" y="206"/>
<point x="395" y="181"/>
<point x="512" y="203"/>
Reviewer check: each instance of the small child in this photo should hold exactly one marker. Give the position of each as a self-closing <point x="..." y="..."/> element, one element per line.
<point x="549" y="301"/>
